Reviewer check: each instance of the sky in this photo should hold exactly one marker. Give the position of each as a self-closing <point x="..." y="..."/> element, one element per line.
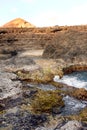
<point x="45" y="12"/>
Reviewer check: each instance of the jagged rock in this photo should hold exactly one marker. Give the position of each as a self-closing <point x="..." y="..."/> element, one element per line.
<point x="9" y="85"/>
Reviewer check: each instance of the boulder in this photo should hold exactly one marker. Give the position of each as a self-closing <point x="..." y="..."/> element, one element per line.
<point x="8" y="85"/>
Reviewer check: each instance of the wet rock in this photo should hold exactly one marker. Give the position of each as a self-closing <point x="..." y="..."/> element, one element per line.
<point x="44" y="87"/>
<point x="71" y="125"/>
<point x="72" y="105"/>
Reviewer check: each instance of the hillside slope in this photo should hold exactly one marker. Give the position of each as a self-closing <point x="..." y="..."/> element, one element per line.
<point x="68" y="45"/>
<point x="17" y="23"/>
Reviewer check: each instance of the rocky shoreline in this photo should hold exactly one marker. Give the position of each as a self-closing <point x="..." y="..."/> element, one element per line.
<point x="29" y="97"/>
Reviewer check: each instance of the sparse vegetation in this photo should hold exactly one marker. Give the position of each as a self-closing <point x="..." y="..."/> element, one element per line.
<point x="39" y="76"/>
<point x="80" y="94"/>
<point x="82" y="116"/>
<point x="44" y="101"/>
<point x="63" y="44"/>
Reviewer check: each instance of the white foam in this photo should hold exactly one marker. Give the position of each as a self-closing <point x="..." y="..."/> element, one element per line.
<point x="56" y="78"/>
<point x="76" y="79"/>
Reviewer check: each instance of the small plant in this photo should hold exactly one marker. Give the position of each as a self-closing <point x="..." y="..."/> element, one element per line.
<point x="45" y="101"/>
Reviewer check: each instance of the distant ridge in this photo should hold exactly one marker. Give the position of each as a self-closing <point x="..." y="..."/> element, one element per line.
<point x="18" y="23"/>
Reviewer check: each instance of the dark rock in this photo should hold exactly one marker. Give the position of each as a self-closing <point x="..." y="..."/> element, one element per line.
<point x="11" y="52"/>
<point x="23" y="120"/>
<point x="29" y="94"/>
<point x="11" y="40"/>
<point x="3" y="31"/>
<point x="14" y="53"/>
<point x="0" y="90"/>
<point x="2" y="107"/>
<point x="57" y="110"/>
<point x="36" y="120"/>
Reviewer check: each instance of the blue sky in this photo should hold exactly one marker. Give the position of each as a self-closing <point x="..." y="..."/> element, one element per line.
<point x="45" y="12"/>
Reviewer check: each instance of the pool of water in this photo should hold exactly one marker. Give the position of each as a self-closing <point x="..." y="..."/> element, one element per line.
<point x="72" y="105"/>
<point x="76" y="79"/>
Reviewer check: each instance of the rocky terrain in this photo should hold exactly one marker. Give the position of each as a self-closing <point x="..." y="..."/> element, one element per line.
<point x="30" y="58"/>
<point x="69" y="45"/>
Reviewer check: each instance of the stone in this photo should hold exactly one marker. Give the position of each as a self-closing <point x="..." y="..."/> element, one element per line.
<point x="71" y="125"/>
<point x="42" y="128"/>
<point x="9" y="85"/>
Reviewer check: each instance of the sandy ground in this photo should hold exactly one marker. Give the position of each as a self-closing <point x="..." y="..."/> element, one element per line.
<point x="32" y="53"/>
<point x="36" y="55"/>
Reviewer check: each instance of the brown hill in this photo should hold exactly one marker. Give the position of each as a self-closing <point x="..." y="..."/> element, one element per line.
<point x="17" y="23"/>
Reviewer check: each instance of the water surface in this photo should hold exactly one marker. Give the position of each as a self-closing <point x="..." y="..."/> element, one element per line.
<point x="76" y="79"/>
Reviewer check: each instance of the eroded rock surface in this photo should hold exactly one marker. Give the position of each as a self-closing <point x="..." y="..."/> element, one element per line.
<point x="71" y="125"/>
<point x="9" y="85"/>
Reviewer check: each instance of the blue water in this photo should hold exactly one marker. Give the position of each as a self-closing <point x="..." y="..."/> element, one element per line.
<point x="76" y="79"/>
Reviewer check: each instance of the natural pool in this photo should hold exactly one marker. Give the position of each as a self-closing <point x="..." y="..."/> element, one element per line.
<point x="76" y="79"/>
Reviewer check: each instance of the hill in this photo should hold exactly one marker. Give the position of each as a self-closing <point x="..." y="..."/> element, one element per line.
<point x="17" y="23"/>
